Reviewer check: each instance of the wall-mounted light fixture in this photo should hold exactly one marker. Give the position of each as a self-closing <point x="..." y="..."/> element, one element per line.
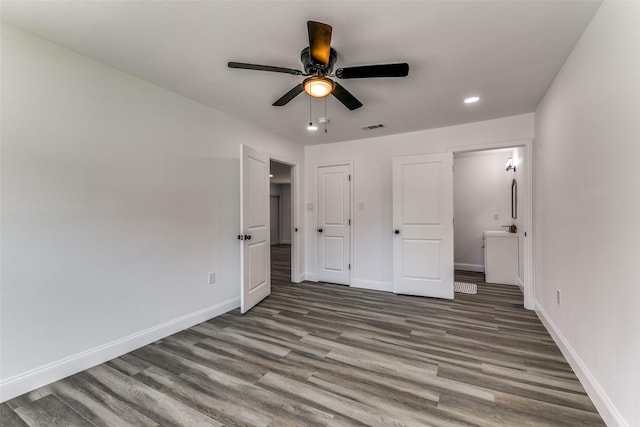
<point x="510" y="165"/>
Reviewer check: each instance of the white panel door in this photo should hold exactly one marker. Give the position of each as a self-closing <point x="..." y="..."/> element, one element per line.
<point x="255" y="265"/>
<point x="334" y="195"/>
<point x="423" y="225"/>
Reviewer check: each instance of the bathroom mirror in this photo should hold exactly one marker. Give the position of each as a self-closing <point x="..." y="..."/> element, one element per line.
<point x="514" y="199"/>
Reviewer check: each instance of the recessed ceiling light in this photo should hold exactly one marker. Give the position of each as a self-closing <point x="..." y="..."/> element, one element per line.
<point x="270" y="175"/>
<point x="472" y="99"/>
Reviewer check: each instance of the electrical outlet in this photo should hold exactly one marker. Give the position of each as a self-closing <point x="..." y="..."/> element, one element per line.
<point x="558" y="296"/>
<point x="212" y="278"/>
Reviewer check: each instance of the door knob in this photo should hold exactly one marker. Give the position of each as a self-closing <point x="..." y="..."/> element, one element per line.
<point x="397" y="231"/>
<point x="319" y="230"/>
<point x="247" y="237"/>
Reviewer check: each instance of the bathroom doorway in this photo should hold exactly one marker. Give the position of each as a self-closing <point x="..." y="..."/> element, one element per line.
<point x="490" y="216"/>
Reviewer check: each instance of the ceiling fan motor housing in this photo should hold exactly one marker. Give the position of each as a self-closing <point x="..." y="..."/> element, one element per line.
<point x="313" y="67"/>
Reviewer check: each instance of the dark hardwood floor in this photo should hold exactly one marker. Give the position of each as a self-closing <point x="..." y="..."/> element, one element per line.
<point x="319" y="354"/>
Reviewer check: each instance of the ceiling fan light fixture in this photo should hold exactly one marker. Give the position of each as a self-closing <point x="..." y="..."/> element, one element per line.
<point x="318" y="60"/>
<point x="318" y="86"/>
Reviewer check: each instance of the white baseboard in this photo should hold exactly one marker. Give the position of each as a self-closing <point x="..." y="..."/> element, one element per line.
<point x="603" y="404"/>
<point x="469" y="267"/>
<point x="372" y="284"/>
<point x="38" y="377"/>
<point x="520" y="285"/>
<point x="309" y="276"/>
<point x="284" y="242"/>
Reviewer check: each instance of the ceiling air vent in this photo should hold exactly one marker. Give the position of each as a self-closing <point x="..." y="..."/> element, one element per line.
<point x="371" y="127"/>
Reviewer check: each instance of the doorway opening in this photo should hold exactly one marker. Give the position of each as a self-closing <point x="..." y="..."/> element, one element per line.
<point x="281" y="221"/>
<point x="490" y="218"/>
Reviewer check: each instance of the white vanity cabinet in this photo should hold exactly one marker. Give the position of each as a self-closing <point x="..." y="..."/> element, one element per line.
<point x="501" y="257"/>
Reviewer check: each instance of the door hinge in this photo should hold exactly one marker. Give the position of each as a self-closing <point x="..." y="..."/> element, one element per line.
<point x="349" y="177"/>
<point x="349" y="266"/>
<point x="349" y="221"/>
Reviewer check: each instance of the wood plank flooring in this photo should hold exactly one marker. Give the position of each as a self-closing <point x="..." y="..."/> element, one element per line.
<point x="329" y="355"/>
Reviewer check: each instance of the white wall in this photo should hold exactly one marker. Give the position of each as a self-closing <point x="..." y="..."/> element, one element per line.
<point x="283" y="226"/>
<point x="285" y="213"/>
<point x="274" y="218"/>
<point x="587" y="210"/>
<point x="118" y="199"/>
<point x="372" y="264"/>
<point x="482" y="201"/>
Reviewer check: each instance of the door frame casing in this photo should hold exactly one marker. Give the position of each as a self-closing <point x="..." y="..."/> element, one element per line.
<point x="527" y="272"/>
<point x="316" y="196"/>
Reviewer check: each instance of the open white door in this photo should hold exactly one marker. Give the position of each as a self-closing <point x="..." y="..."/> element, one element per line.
<point x="423" y="225"/>
<point x="334" y="212"/>
<point x="255" y="265"/>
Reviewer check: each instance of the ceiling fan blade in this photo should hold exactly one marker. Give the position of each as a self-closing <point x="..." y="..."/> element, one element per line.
<point x="284" y="100"/>
<point x="345" y="97"/>
<point x="367" y="71"/>
<point x="244" y="66"/>
<point x="319" y="41"/>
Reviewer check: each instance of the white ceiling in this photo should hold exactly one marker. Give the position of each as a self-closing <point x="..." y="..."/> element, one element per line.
<point x="506" y="52"/>
<point x="281" y="173"/>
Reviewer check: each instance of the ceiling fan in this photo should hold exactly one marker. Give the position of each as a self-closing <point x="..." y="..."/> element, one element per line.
<point x="318" y="60"/>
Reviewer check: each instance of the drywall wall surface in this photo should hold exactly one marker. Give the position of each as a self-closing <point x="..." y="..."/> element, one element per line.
<point x="283" y="191"/>
<point x="587" y="209"/>
<point x="274" y="189"/>
<point x="372" y="261"/>
<point x="285" y="213"/>
<point x="482" y="201"/>
<point x="118" y="200"/>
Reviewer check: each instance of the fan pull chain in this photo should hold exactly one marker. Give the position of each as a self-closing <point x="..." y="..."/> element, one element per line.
<point x="311" y="126"/>
<point x="325" y="114"/>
